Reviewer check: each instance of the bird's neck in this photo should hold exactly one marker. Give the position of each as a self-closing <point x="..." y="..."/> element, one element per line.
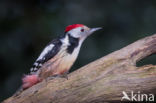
<point x="71" y="43"/>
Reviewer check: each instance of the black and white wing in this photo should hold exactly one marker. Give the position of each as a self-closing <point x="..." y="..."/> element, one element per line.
<point x="49" y="52"/>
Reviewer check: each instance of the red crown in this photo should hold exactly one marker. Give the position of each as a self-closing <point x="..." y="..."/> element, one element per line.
<point x="70" y="27"/>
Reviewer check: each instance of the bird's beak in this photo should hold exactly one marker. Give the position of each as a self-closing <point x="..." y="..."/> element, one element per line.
<point x="94" y="29"/>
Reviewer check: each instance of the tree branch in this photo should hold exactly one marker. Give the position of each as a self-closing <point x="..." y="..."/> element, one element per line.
<point x="100" y="81"/>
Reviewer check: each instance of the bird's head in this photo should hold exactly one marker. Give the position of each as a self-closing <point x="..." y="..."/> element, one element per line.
<point x="79" y="31"/>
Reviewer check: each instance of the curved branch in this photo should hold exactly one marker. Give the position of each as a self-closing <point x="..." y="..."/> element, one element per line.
<point x="100" y="81"/>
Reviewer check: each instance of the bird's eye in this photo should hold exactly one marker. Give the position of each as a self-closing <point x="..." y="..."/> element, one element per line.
<point x="82" y="30"/>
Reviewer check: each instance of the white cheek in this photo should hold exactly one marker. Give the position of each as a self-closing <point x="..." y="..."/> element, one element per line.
<point x="75" y="32"/>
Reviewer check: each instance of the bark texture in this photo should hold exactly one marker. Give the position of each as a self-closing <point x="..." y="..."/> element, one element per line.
<point x="100" y="81"/>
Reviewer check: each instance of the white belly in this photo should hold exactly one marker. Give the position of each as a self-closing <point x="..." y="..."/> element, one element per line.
<point x="60" y="63"/>
<point x="67" y="61"/>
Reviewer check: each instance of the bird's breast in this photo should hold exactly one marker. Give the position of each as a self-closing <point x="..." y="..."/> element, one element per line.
<point x="60" y="63"/>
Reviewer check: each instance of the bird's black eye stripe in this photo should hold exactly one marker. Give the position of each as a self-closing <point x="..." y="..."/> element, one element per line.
<point x="82" y="30"/>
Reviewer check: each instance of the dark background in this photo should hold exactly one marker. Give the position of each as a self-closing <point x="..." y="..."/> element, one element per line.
<point x="26" y="26"/>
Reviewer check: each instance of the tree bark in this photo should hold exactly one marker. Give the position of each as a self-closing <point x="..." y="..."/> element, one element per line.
<point x="103" y="80"/>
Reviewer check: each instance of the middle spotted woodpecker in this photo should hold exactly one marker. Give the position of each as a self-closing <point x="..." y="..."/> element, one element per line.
<point x="61" y="53"/>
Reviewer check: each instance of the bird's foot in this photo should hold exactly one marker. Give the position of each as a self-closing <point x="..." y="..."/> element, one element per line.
<point x="65" y="75"/>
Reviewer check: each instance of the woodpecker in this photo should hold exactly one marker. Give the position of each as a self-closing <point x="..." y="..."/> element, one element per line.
<point x="60" y="52"/>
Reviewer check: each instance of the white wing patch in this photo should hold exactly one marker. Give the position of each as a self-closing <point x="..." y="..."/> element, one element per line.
<point x="45" y="51"/>
<point x="41" y="57"/>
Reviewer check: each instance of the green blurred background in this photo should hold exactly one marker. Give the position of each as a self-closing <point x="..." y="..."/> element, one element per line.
<point x="26" y="26"/>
